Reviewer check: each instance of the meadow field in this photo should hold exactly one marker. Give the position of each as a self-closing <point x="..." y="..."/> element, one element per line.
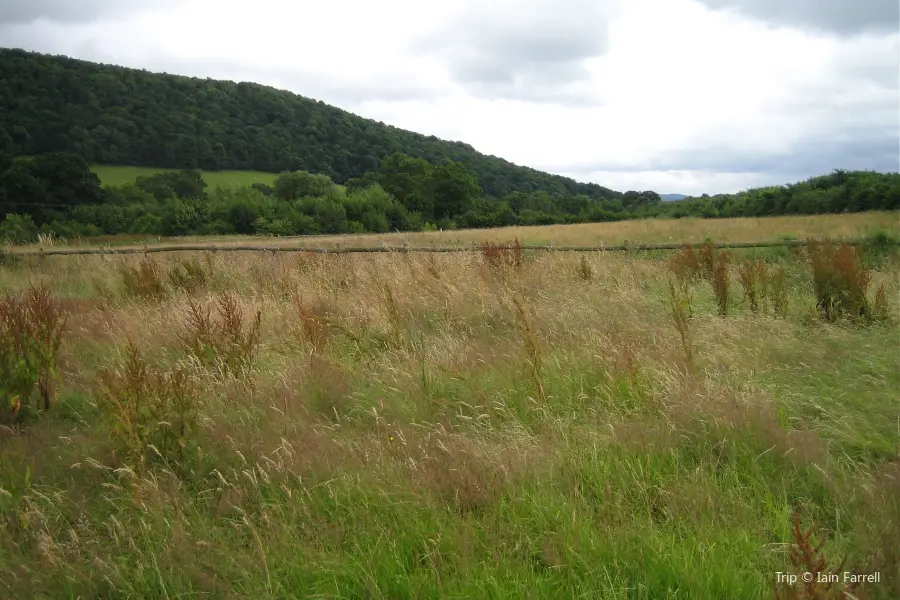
<point x="492" y="424"/>
<point x="120" y="175"/>
<point x="852" y="226"/>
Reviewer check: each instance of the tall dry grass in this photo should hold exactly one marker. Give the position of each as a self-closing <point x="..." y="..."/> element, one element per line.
<point x="395" y="425"/>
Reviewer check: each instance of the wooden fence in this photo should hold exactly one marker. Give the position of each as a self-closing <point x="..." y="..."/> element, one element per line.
<point x="394" y="249"/>
<point x="397" y="249"/>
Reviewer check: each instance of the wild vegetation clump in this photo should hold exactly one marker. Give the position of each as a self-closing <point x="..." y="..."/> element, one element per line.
<point x="680" y="307"/>
<point x="825" y="578"/>
<point x="685" y="264"/>
<point x="584" y="270"/>
<point x="841" y="282"/>
<point x="152" y="413"/>
<point x="503" y="257"/>
<point x="32" y="324"/>
<point x="227" y="342"/>
<point x="690" y="265"/>
<point x="754" y="278"/>
<point x="145" y="280"/>
<point x="776" y="290"/>
<point x="721" y="281"/>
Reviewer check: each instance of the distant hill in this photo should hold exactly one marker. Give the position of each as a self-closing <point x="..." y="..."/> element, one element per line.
<point x="119" y="116"/>
<point x="672" y="197"/>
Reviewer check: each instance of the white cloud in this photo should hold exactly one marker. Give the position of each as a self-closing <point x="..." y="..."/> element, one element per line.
<point x="668" y="95"/>
<point x="536" y="51"/>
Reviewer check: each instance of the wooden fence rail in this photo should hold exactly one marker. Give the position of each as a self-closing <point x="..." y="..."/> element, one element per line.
<point x="398" y="249"/>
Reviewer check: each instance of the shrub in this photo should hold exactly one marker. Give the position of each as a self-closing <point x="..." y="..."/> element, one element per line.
<point x="144" y="280"/>
<point x="752" y="275"/>
<point x="680" y="307"/>
<point x="31" y="329"/>
<point x="152" y="413"/>
<point x="685" y="264"/>
<point x="584" y="270"/>
<point x="707" y="257"/>
<point x="503" y="256"/>
<point x="273" y="227"/>
<point x="18" y="229"/>
<point x="776" y="290"/>
<point x="230" y="343"/>
<point x="720" y="281"/>
<point x="840" y="280"/>
<point x="689" y="265"/>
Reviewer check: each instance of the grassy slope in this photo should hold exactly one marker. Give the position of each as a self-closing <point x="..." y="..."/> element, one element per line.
<point x="411" y="456"/>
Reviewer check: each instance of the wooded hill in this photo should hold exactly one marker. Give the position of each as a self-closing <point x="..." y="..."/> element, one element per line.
<point x="120" y="116"/>
<point x="62" y="114"/>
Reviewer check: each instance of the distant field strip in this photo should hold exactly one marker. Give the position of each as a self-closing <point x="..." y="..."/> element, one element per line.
<point x="400" y="249"/>
<point x="120" y="175"/>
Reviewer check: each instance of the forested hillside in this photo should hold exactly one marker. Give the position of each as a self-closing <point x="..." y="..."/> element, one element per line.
<point x="120" y="116"/>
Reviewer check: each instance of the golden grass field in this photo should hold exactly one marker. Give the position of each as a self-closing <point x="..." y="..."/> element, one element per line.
<point x="431" y="426"/>
<point x="649" y="231"/>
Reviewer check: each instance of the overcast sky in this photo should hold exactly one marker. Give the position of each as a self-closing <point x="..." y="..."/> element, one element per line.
<point x="685" y="96"/>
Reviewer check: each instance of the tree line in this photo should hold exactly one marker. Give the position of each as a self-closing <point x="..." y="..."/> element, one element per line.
<point x="838" y="192"/>
<point x="58" y="193"/>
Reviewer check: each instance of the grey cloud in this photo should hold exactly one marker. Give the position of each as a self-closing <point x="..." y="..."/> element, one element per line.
<point x="872" y="60"/>
<point x="863" y="143"/>
<point x="523" y="52"/>
<point x="541" y="71"/>
<point x="566" y="84"/>
<point x="842" y="17"/>
<point x="867" y="149"/>
<point x="72" y="11"/>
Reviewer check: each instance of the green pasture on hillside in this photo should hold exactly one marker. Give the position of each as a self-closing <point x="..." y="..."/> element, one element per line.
<point x="120" y="175"/>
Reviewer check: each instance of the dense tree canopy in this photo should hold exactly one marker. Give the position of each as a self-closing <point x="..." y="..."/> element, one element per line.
<point x="46" y="185"/>
<point x="436" y="192"/>
<point x="119" y="116"/>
